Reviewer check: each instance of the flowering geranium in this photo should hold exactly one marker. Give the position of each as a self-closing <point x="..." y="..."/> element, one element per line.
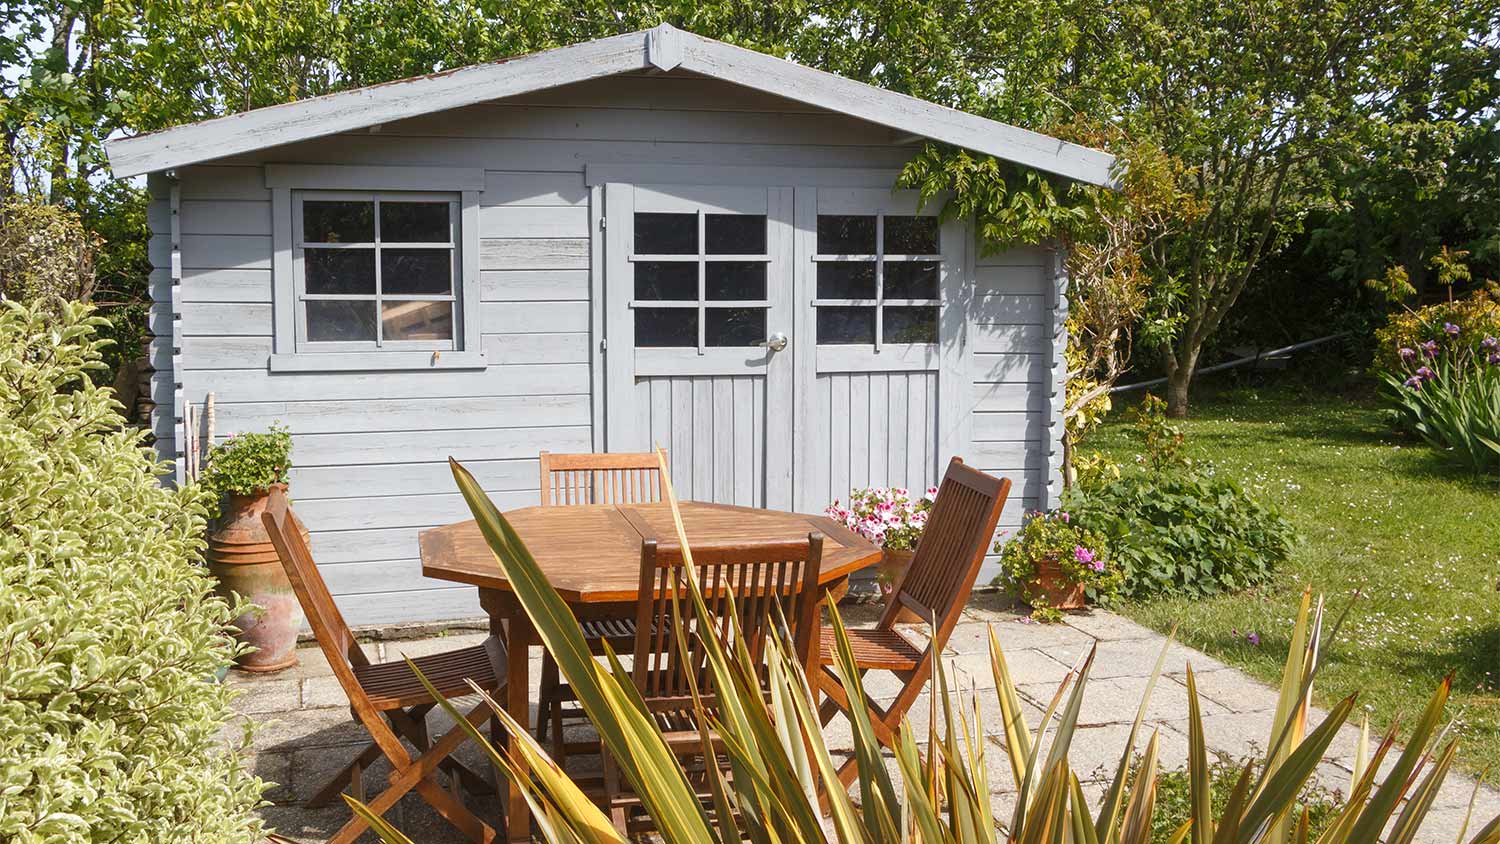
<point x="887" y="516"/>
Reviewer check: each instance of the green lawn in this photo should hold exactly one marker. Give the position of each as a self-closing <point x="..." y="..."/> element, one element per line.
<point x="1375" y="513"/>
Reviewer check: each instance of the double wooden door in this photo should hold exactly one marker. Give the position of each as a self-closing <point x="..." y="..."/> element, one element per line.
<point x="785" y="344"/>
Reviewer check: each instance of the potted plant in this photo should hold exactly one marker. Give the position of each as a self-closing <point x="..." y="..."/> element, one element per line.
<point x="239" y="476"/>
<point x="1055" y="564"/>
<point x="891" y="518"/>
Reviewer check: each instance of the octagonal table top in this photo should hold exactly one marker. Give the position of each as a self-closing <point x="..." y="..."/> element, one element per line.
<point x="592" y="553"/>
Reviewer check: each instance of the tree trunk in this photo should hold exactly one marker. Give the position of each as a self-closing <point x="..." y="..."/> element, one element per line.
<point x="1177" y="392"/>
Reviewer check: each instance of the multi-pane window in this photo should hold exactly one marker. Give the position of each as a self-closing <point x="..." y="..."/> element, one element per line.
<point x="700" y="280"/>
<point x="376" y="271"/>
<point x="877" y="279"/>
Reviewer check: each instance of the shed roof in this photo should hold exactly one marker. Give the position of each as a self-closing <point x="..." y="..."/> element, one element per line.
<point x="663" y="47"/>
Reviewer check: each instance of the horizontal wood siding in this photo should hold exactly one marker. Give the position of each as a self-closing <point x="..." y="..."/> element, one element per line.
<point x="1011" y="360"/>
<point x="371" y="446"/>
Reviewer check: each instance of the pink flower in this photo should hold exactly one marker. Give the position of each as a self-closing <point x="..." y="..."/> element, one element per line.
<point x="931" y="493"/>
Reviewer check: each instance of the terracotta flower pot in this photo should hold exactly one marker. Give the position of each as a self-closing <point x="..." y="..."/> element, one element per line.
<point x="1053" y="586"/>
<point x="244" y="561"/>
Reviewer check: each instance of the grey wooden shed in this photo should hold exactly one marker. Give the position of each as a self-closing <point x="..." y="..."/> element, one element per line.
<point x="649" y="238"/>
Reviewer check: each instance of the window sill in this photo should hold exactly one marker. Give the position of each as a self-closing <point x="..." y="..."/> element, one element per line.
<point x="376" y="361"/>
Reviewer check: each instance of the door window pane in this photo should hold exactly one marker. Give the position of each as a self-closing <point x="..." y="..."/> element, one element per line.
<point x="911" y="279"/>
<point x="416" y="272"/>
<point x="734" y="234"/>
<point x="666" y="327"/>
<point x="844" y="234"/>
<point x="341" y="320"/>
<point x="743" y="280"/>
<point x="845" y="326"/>
<point x="846" y="280"/>
<point x="734" y="326"/>
<point x="339" y="271"/>
<point x="911" y="235"/>
<point x="670" y="280"/>
<point x="325" y="221"/>
<point x="414" y="222"/>
<point x="666" y="234"/>
<point x="417" y="320"/>
<point x="910" y="325"/>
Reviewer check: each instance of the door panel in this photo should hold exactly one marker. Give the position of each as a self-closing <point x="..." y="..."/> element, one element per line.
<point x="697" y="280"/>
<point x="877" y="429"/>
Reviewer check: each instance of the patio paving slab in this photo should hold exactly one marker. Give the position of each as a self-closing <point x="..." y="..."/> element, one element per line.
<point x="305" y="733"/>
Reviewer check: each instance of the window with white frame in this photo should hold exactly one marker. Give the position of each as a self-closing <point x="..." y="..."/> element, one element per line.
<point x="377" y="271"/>
<point x="700" y="280"/>
<point x="877" y="279"/>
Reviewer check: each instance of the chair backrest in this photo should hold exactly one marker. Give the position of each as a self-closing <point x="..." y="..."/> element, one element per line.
<point x="953" y="545"/>
<point x="329" y="628"/>
<point x="600" y="479"/>
<point x="755" y="576"/>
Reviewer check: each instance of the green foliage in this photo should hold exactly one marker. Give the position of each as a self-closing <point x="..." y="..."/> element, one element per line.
<point x="110" y="718"/>
<point x="45" y="253"/>
<point x="1447" y="391"/>
<point x="1177" y="526"/>
<point x="764" y="724"/>
<point x="247" y="464"/>
<point x="1174" y="795"/>
<point x="1079" y="553"/>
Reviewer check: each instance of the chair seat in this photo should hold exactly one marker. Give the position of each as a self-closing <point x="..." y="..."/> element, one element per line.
<point x="879" y="649"/>
<point x="392" y="685"/>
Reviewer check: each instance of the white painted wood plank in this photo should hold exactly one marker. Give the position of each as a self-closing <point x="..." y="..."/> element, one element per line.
<point x="1007" y="456"/>
<point x="1025" y="279"/>
<point x="1010" y="338"/>
<point x="1009" y="309"/>
<point x="681" y="422"/>
<point x="329" y="482"/>
<point x="434" y="446"/>
<point x="218" y="216"/>
<point x="445" y="603"/>
<point x="744" y="466"/>
<point x="859" y="430"/>
<point x="533" y="254"/>
<point x="1007" y="367"/>
<point x="218" y="351"/>
<point x="726" y="453"/>
<point x="999" y="396"/>
<point x="213" y="182"/>
<point x="534" y="221"/>
<point x="839" y="471"/>
<point x="879" y="415"/>
<point x="225" y="286"/>
<point x="1021" y="256"/>
<point x="405" y="414"/>
<point x="217" y="319"/>
<point x="1009" y="425"/>
<point x="511" y="349"/>
<point x="509" y="187"/>
<point x="215" y="251"/>
<point x="395" y="511"/>
<point x="244" y="385"/>
<point x="535" y="317"/>
<point x="703" y="438"/>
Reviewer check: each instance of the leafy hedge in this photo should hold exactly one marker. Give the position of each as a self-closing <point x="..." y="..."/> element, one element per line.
<point x="110" y="718"/>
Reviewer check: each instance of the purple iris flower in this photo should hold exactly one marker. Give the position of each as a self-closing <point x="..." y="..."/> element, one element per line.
<point x="1425" y="373"/>
<point x="1495" y="358"/>
<point x="1450" y="329"/>
<point x="1413" y="382"/>
<point x="1430" y="348"/>
<point x="1489" y="344"/>
<point x="1408" y="354"/>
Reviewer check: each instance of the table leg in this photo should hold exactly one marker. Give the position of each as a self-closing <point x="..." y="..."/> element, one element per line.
<point x="519" y="638"/>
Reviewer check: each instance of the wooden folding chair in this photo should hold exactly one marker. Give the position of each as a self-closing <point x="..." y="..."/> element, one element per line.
<point x="935" y="588"/>
<point x="389" y="700"/>
<point x="755" y="576"/>
<point x="575" y="479"/>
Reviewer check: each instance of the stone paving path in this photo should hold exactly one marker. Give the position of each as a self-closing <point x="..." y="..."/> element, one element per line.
<point x="305" y="732"/>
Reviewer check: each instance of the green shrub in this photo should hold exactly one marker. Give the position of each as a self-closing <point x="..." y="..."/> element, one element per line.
<point x="1478" y="314"/>
<point x="1174" y="800"/>
<point x="1176" y="526"/>
<point x="110" y="718"/>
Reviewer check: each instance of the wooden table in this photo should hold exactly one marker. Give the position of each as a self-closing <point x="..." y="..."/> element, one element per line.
<point x="591" y="555"/>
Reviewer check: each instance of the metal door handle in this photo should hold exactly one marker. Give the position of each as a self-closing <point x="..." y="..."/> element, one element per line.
<point x="776" y="342"/>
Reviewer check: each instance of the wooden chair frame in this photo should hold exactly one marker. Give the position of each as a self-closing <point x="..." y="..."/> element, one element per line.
<point x="571" y="480"/>
<point x="936" y="587"/>
<point x="754" y="576"/>
<point x="389" y="702"/>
